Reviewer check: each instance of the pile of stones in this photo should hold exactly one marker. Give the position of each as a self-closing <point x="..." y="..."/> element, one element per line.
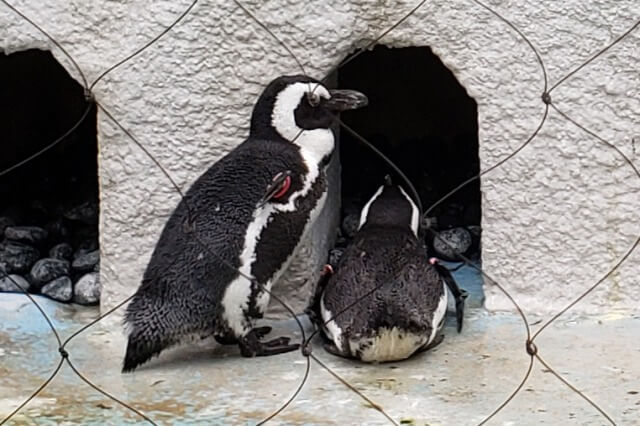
<point x="59" y="258"/>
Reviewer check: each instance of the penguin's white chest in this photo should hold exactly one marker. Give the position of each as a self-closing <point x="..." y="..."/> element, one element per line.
<point x="236" y="298"/>
<point x="263" y="298"/>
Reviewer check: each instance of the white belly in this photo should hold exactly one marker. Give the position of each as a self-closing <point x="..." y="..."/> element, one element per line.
<point x="238" y="292"/>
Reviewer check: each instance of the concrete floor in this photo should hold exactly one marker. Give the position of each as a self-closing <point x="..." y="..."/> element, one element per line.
<point x="458" y="383"/>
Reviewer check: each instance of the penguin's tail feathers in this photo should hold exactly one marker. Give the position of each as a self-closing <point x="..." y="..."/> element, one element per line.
<point x="150" y="330"/>
<point x="140" y="349"/>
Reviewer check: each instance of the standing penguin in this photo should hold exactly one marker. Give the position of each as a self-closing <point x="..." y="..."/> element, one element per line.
<point x="244" y="217"/>
<point x="386" y="300"/>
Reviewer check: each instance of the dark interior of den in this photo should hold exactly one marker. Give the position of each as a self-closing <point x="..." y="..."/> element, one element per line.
<point x="425" y="122"/>
<point x="48" y="204"/>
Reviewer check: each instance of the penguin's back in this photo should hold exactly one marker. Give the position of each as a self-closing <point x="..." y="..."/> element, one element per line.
<point x="402" y="297"/>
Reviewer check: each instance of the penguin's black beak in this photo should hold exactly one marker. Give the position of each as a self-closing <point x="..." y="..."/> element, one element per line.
<point x="342" y="100"/>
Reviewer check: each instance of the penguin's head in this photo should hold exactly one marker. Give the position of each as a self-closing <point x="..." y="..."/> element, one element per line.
<point x="291" y="106"/>
<point x="391" y="206"/>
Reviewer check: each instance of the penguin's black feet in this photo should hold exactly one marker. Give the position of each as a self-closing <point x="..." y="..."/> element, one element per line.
<point x="232" y="340"/>
<point x="262" y="331"/>
<point x="226" y="340"/>
<point x="278" y="341"/>
<point x="251" y="346"/>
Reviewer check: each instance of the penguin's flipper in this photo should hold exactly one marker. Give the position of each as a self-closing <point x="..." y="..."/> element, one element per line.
<point x="313" y="310"/>
<point x="459" y="294"/>
<point x="251" y="346"/>
<point x="435" y="342"/>
<point x="331" y="347"/>
<point x="460" y="308"/>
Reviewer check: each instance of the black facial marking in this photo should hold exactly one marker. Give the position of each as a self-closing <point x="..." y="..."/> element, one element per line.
<point x="310" y="116"/>
<point x="261" y="126"/>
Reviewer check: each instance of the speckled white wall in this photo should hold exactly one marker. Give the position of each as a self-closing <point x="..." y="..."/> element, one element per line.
<point x="555" y="217"/>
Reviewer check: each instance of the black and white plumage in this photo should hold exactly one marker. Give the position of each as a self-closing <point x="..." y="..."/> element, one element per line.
<point x="398" y="298"/>
<point x="248" y="213"/>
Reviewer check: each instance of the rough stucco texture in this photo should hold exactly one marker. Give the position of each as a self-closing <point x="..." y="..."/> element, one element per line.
<point x="556" y="217"/>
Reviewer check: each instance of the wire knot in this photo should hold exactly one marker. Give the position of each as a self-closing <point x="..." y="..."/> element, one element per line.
<point x="188" y="225"/>
<point x="546" y="98"/>
<point x="63" y="352"/>
<point x="532" y="349"/>
<point x="88" y="95"/>
<point x="306" y="350"/>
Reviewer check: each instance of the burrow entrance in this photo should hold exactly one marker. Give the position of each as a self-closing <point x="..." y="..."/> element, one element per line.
<point x="425" y="122"/>
<point x="49" y="204"/>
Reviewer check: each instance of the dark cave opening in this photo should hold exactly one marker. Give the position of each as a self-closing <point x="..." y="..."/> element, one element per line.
<point x="49" y="205"/>
<point x="425" y="122"/>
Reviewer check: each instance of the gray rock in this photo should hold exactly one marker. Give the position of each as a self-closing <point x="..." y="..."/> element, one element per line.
<point x="48" y="269"/>
<point x="5" y="222"/>
<point x="80" y="252"/>
<point x="59" y="289"/>
<point x="87" y="289"/>
<point x="7" y="283"/>
<point x="86" y="261"/>
<point x="429" y="222"/>
<point x="350" y="224"/>
<point x="57" y="229"/>
<point x="61" y="251"/>
<point x="89" y="244"/>
<point x="451" y="242"/>
<point x="96" y="267"/>
<point x="86" y="212"/>
<point x="17" y="257"/>
<point x="475" y="230"/>
<point x="26" y="234"/>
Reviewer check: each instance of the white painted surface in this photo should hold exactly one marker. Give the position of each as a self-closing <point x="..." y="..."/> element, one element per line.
<point x="555" y="217"/>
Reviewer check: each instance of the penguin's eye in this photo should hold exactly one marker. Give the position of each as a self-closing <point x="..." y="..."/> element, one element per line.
<point x="313" y="99"/>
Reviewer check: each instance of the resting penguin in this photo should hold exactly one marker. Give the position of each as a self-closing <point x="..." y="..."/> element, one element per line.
<point x="386" y="300"/>
<point x="248" y="213"/>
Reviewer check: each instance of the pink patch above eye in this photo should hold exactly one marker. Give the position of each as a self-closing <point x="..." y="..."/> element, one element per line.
<point x="283" y="190"/>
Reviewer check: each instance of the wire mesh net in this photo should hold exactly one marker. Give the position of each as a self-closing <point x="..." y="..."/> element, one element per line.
<point x="542" y="113"/>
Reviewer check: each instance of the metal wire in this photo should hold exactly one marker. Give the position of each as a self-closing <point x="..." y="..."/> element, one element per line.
<point x="530" y="347"/>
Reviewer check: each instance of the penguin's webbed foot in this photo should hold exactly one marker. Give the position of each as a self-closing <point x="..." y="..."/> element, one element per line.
<point x="251" y="345"/>
<point x="231" y="340"/>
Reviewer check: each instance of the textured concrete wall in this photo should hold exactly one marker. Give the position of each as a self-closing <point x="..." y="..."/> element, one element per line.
<point x="555" y="217"/>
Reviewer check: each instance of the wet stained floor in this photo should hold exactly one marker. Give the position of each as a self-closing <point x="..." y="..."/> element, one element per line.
<point x="459" y="382"/>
